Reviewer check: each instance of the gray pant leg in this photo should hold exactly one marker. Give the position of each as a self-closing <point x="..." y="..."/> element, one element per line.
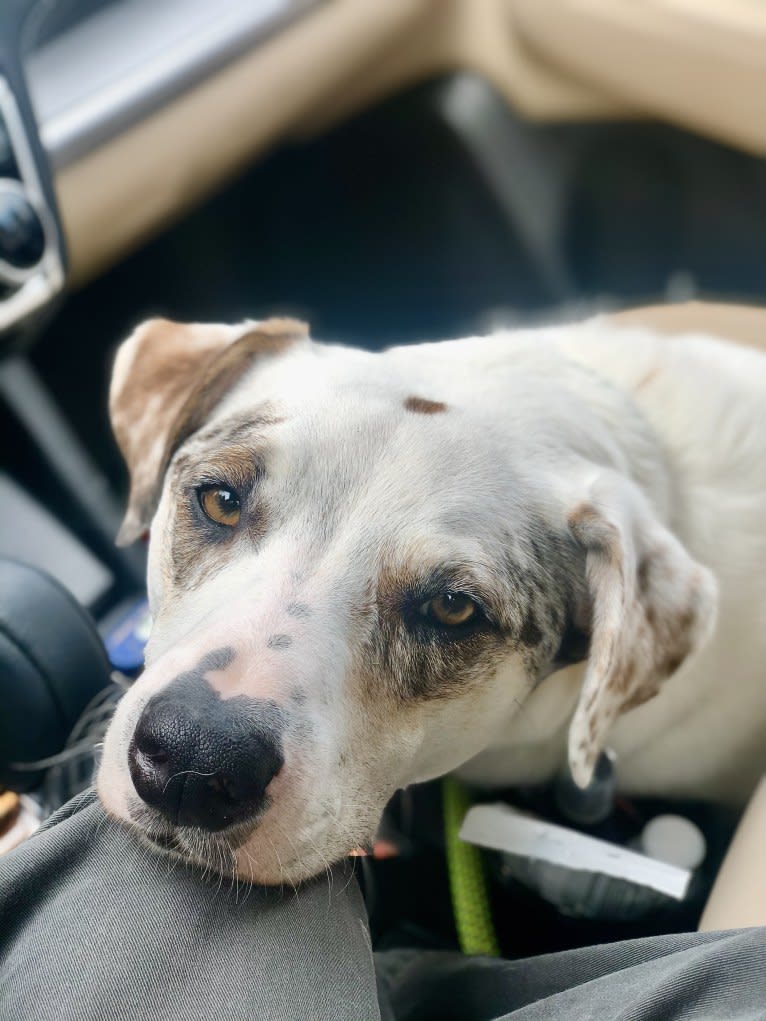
<point x="94" y="926"/>
<point x="689" y="977"/>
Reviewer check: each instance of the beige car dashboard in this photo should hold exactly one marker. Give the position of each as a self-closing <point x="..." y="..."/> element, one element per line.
<point x="147" y="108"/>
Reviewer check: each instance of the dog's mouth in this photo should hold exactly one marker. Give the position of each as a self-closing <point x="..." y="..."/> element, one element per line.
<point x="214" y="851"/>
<point x="162" y="841"/>
<point x="224" y="853"/>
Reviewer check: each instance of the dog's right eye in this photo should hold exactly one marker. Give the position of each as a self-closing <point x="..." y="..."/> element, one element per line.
<point x="220" y="504"/>
<point x="451" y="611"/>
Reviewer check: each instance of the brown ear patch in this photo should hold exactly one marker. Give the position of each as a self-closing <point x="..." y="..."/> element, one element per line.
<point x="652" y="607"/>
<point x="219" y="376"/>
<point x="422" y="406"/>
<point x="168" y="377"/>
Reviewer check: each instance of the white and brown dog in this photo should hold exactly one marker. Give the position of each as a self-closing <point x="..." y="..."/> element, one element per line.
<point x="367" y="570"/>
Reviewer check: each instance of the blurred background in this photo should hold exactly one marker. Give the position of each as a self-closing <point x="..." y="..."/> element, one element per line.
<point x="396" y="172"/>
<point x="391" y="172"/>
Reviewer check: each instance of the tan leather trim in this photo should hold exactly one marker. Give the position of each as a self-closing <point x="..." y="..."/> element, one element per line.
<point x="470" y="35"/>
<point x="120" y="194"/>
<point x="744" y="324"/>
<point x="738" y="897"/>
<point x="329" y="64"/>
<point x="698" y="63"/>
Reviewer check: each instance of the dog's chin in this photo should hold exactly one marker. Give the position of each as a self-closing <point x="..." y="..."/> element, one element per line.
<point x="214" y="855"/>
<point x="237" y="853"/>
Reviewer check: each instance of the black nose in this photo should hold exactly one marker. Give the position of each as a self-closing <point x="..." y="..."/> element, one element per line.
<point x="203" y="761"/>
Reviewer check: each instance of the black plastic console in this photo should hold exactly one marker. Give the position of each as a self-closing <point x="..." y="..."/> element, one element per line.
<point x="32" y="252"/>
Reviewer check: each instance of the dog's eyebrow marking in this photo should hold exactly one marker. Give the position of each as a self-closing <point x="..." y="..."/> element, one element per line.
<point x="422" y="406"/>
<point x="280" y="641"/>
<point x="299" y="610"/>
<point x="236" y="429"/>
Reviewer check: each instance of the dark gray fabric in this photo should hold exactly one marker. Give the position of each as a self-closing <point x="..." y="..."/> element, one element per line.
<point x="94" y="926"/>
<point x="688" y="977"/>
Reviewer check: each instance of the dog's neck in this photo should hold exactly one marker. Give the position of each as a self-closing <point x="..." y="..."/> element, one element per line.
<point x="619" y="405"/>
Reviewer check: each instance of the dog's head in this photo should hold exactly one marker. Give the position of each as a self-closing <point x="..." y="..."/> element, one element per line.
<point x="360" y="566"/>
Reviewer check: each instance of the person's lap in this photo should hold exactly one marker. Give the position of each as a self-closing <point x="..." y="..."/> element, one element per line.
<point x="680" y="977"/>
<point x="92" y="925"/>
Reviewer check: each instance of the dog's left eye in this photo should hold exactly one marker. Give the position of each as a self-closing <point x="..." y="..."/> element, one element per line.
<point x="220" y="504"/>
<point x="450" y="609"/>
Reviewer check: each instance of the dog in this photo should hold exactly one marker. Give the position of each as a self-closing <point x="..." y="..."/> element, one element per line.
<point x="493" y="555"/>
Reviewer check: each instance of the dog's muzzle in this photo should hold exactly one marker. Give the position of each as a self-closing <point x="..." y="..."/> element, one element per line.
<point x="203" y="761"/>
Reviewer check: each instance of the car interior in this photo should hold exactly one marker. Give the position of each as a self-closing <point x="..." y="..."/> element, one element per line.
<point x="390" y="173"/>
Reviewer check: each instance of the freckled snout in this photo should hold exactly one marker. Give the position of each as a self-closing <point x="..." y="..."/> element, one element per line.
<point x="202" y="760"/>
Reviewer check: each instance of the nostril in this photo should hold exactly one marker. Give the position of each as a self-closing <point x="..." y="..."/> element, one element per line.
<point x="222" y="785"/>
<point x="159" y="758"/>
<point x="151" y="748"/>
<point x="154" y="764"/>
<point x="237" y="787"/>
<point x="146" y="767"/>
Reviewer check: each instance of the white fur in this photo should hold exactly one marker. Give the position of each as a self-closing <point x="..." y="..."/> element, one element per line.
<point x="666" y="439"/>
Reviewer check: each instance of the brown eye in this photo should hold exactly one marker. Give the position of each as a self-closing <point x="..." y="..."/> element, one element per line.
<point x="451" y="609"/>
<point x="220" y="504"/>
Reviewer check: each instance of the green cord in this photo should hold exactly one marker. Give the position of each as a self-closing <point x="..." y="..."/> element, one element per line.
<point x="468" y="884"/>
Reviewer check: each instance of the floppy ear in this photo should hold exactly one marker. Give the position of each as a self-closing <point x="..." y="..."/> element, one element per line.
<point x="652" y="606"/>
<point x="167" y="378"/>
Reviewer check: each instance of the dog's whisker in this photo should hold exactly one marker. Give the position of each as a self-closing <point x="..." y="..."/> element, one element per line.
<point x="250" y="881"/>
<point x="297" y="858"/>
<point x="327" y="869"/>
<point x="221" y="869"/>
<point x="184" y="772"/>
